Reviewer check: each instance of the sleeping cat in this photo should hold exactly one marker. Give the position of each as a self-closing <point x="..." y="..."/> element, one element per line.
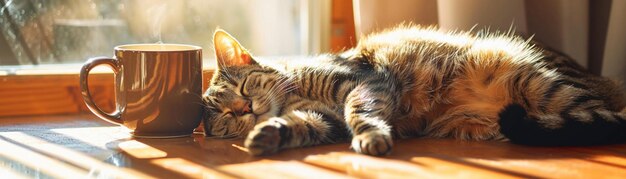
<point x="411" y="81"/>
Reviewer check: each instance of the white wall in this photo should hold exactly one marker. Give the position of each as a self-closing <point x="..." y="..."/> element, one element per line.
<point x="373" y="15"/>
<point x="482" y="14"/>
<point x="561" y="24"/>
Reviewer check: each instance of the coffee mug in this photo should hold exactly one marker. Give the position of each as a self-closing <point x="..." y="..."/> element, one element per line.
<point x="158" y="89"/>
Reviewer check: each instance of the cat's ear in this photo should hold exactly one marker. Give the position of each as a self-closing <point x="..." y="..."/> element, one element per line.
<point x="229" y="52"/>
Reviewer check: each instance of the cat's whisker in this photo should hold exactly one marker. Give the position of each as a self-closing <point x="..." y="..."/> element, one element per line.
<point x="283" y="88"/>
<point x="240" y="148"/>
<point x="285" y="83"/>
<point x="274" y="91"/>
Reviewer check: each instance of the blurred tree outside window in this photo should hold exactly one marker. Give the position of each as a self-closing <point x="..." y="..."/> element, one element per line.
<point x="42" y="32"/>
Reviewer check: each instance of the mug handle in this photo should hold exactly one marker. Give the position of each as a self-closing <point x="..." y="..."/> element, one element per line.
<point x="114" y="117"/>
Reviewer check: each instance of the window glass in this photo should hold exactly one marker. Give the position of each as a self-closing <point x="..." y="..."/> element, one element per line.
<point x="41" y="32"/>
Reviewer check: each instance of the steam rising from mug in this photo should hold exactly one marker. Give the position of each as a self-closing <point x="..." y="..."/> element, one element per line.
<point x="156" y="22"/>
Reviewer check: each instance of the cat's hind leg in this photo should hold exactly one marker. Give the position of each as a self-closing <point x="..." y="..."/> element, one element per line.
<point x="571" y="117"/>
<point x="466" y="122"/>
<point x="552" y="108"/>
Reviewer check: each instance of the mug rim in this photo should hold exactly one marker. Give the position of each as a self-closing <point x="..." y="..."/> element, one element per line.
<point x="181" y="47"/>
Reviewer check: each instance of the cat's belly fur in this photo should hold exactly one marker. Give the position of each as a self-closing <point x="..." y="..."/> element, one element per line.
<point x="465" y="109"/>
<point x="447" y="121"/>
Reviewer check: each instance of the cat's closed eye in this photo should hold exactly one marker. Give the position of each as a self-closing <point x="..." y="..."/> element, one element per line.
<point x="228" y="114"/>
<point x="243" y="90"/>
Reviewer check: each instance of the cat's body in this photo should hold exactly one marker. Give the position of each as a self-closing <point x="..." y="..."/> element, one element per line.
<point x="409" y="82"/>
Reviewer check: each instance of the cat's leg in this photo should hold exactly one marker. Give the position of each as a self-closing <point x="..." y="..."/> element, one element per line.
<point x="295" y="129"/>
<point x="467" y="122"/>
<point x="539" y="106"/>
<point x="368" y="111"/>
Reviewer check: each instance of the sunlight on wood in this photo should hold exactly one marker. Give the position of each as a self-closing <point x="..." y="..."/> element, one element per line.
<point x="609" y="159"/>
<point x="141" y="150"/>
<point x="278" y="169"/>
<point x="535" y="161"/>
<point x="104" y="134"/>
<point x="457" y="170"/>
<point x="603" y="156"/>
<point x="368" y="166"/>
<point x="552" y="167"/>
<point x="8" y="173"/>
<point x="518" y="160"/>
<point x="95" y="166"/>
<point x="188" y="168"/>
<point x="39" y="162"/>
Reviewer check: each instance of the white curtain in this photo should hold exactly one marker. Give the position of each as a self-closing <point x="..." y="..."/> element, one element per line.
<point x="561" y="24"/>
<point x="614" y="64"/>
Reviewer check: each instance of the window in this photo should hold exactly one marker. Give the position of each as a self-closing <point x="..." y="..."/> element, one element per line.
<point x="43" y="32"/>
<point x="43" y="43"/>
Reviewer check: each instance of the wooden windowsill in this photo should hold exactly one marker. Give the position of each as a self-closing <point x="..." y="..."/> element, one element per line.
<point x="60" y="69"/>
<point x="63" y="69"/>
<point x="54" y="89"/>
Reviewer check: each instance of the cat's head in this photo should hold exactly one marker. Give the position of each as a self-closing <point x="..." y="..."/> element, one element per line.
<point x="242" y="92"/>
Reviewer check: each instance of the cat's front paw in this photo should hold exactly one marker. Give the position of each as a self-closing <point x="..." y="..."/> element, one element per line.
<point x="263" y="139"/>
<point x="372" y="143"/>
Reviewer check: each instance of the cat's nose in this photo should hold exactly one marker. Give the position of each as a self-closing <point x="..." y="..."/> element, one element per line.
<point x="242" y="107"/>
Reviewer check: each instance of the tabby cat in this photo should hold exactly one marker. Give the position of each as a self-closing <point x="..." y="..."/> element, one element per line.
<point x="411" y="81"/>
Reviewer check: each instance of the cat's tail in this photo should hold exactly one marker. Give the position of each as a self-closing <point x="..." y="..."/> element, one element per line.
<point x="592" y="127"/>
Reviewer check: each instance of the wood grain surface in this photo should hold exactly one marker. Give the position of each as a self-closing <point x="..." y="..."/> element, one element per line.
<point x="81" y="146"/>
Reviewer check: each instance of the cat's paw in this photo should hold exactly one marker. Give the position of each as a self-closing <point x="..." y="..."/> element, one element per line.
<point x="263" y="139"/>
<point x="372" y="143"/>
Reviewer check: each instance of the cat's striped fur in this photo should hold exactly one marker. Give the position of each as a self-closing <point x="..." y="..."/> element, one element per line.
<point x="407" y="82"/>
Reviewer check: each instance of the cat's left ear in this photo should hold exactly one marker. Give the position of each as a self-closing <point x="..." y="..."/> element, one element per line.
<point x="229" y="52"/>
